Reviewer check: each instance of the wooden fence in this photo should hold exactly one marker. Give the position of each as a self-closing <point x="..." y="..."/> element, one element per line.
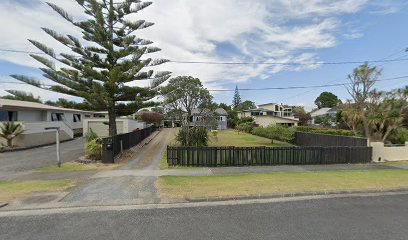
<point x="264" y="156"/>
<point x="112" y="146"/>
<point x="326" y="140"/>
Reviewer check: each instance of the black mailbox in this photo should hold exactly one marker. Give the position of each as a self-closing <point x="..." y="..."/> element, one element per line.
<point x="107" y="150"/>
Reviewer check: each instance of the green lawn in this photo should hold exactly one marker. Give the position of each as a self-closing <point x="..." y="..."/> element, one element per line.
<point x="239" y="139"/>
<point x="279" y="182"/>
<point x="73" y="166"/>
<point x="10" y="190"/>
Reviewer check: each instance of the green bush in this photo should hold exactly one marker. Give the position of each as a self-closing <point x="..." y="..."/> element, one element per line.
<point x="245" y="127"/>
<point x="399" y="136"/>
<point x="245" y="120"/>
<point x="277" y="132"/>
<point x="93" y="149"/>
<point x="324" y="130"/>
<point x="196" y="137"/>
<point x="91" y="135"/>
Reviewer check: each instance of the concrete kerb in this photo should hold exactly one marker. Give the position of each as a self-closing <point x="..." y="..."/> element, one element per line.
<point x="294" y="194"/>
<point x="178" y="204"/>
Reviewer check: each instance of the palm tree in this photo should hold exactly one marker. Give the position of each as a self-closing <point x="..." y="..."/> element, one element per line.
<point x="10" y="130"/>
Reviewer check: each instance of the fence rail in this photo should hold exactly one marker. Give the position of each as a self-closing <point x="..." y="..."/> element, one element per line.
<point x="264" y="156"/>
<point x="112" y="146"/>
<point x="326" y="140"/>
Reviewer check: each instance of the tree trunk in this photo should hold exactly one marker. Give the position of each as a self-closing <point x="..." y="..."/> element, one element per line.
<point x="112" y="121"/>
<point x="10" y="142"/>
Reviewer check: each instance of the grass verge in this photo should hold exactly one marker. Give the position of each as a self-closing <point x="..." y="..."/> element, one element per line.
<point x="279" y="182"/>
<point x="10" y="190"/>
<point x="73" y="166"/>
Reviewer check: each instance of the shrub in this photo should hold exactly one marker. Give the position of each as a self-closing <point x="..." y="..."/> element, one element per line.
<point x="196" y="137"/>
<point x="277" y="132"/>
<point x="399" y="136"/>
<point x="93" y="149"/>
<point x="245" y="120"/>
<point x="91" y="135"/>
<point x="325" y="131"/>
<point x="10" y="130"/>
<point x="245" y="127"/>
<point x="214" y="133"/>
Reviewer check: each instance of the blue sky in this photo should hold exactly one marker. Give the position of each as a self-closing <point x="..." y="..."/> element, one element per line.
<point x="239" y="31"/>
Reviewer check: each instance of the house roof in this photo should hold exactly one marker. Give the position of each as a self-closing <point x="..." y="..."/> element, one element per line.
<point x="7" y="103"/>
<point x="219" y="111"/>
<point x="320" y="112"/>
<point x="267" y="104"/>
<point x="258" y="110"/>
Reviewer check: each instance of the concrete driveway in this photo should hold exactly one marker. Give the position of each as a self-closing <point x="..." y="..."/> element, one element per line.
<point x="26" y="160"/>
<point x="120" y="189"/>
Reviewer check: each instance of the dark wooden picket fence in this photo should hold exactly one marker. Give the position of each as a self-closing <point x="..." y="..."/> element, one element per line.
<point x="325" y="140"/>
<point x="264" y="156"/>
<point x="112" y="146"/>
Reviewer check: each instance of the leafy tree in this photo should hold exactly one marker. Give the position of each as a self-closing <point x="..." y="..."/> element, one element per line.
<point x="362" y="81"/>
<point x="327" y="100"/>
<point x="107" y="58"/>
<point x="152" y="117"/>
<point x="10" y="130"/>
<point x="21" y="96"/>
<point x="181" y="96"/>
<point x="236" y="101"/>
<point x="304" y="118"/>
<point x="246" y="105"/>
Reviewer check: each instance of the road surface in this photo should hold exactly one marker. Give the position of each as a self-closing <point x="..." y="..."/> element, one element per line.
<point x="371" y="218"/>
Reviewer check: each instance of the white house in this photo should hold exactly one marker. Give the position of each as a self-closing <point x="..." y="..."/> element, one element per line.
<point x="271" y="114"/>
<point x="322" y="113"/>
<point x="208" y="118"/>
<point x="35" y="117"/>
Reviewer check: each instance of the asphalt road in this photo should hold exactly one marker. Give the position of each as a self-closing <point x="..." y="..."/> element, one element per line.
<point x="373" y="218"/>
<point x="31" y="159"/>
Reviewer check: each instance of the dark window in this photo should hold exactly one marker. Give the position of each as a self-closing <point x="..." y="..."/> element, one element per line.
<point x="56" y="117"/>
<point x="8" y="116"/>
<point x="77" y="117"/>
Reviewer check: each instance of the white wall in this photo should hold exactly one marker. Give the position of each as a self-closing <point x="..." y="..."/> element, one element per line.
<point x="30" y="115"/>
<point x="124" y="125"/>
<point x="384" y="153"/>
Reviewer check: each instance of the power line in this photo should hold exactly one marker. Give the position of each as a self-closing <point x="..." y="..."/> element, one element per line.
<point x="261" y="89"/>
<point x="250" y="63"/>
<point x="398" y="52"/>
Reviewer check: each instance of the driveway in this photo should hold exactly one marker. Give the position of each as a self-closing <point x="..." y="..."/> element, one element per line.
<point x="362" y="218"/>
<point x="26" y="160"/>
<point x="123" y="189"/>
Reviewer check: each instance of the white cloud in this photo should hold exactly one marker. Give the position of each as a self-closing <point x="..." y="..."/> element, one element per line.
<point x="256" y="31"/>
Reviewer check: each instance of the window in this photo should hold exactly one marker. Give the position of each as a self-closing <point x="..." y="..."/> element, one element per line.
<point x="77" y="117"/>
<point x="254" y="113"/>
<point x="56" y="117"/>
<point x="8" y="116"/>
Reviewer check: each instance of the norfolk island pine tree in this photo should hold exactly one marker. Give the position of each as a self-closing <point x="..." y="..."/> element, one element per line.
<point x="105" y="60"/>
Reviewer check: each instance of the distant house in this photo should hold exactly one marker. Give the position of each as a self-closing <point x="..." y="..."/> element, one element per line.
<point x="271" y="114"/>
<point x="323" y="113"/>
<point x="35" y="117"/>
<point x="216" y="119"/>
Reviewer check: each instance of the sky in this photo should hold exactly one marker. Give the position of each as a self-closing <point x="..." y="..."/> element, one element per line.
<point x="289" y="31"/>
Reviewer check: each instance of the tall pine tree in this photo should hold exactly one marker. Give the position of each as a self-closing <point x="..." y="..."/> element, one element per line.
<point x="236" y="101"/>
<point x="107" y="58"/>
